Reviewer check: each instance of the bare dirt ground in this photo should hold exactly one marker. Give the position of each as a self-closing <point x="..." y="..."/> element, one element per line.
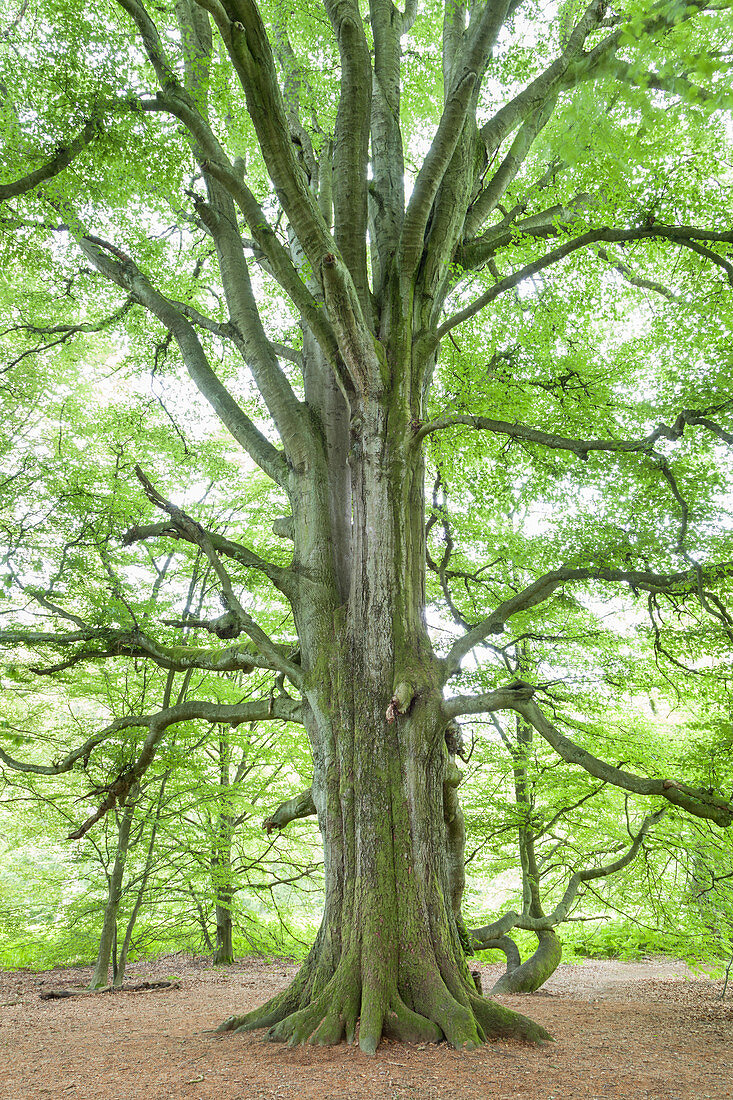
<point x="623" y="1030"/>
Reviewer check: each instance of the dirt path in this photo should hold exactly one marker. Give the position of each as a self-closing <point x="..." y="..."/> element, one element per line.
<point x="623" y="1030"/>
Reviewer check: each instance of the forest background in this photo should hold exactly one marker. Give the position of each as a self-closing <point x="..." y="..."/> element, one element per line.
<point x="431" y="384"/>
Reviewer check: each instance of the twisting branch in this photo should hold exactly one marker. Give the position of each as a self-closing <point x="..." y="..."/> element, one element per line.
<point x="488" y="935"/>
<point x="195" y="533"/>
<point x="282" y="578"/>
<point x="519" y="697"/>
<point x="579" y="447"/>
<point x="540" y="590"/>
<point x="685" y="235"/>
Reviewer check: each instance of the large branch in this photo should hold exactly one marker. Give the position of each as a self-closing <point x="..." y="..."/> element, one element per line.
<point x="696" y="801"/>
<point x="218" y="216"/>
<point x="281" y="577"/>
<point x="387" y="155"/>
<point x="573" y="65"/>
<point x="491" y="194"/>
<point x="351" y="150"/>
<point x="503" y="698"/>
<point x="240" y="25"/>
<point x="467" y="58"/>
<point x="684" y="583"/>
<point x="280" y="266"/>
<point x="280" y="708"/>
<point x="685" y="235"/>
<point x="579" y="447"/>
<point x="104" y="643"/>
<point x="236" y="714"/>
<point x="56" y="164"/>
<point x="533" y="98"/>
<point x="518" y="697"/>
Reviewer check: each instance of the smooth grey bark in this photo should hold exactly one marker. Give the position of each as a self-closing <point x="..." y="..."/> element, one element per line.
<point x="221" y="860"/>
<point x="120" y="957"/>
<point x="108" y="935"/>
<point x="528" y="976"/>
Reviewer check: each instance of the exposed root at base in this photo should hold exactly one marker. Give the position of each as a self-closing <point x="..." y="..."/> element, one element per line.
<point x="333" y="1016"/>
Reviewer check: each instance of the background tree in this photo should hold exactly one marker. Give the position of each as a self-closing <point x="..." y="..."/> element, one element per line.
<point x="288" y="214"/>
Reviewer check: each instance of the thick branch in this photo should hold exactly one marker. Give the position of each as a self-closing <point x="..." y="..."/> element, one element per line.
<point x="579" y="447"/>
<point x="351" y="150"/>
<point x="682" y="234"/>
<point x="117" y="791"/>
<point x="102" y="643"/>
<point x="281" y="578"/>
<point x="126" y="274"/>
<point x="700" y="803"/>
<point x="245" y="38"/>
<point x="544" y="586"/>
<point x="501" y="699"/>
<point x="62" y="158"/>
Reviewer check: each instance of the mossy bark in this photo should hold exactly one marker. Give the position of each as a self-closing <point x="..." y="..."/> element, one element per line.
<point x="389" y="958"/>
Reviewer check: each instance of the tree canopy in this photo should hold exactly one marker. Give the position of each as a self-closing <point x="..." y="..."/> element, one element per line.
<point x="379" y="359"/>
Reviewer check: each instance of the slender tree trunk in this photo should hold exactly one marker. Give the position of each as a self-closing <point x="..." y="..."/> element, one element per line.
<point x="121" y="959"/>
<point x="534" y="972"/>
<point x="221" y="862"/>
<point x="107" y="939"/>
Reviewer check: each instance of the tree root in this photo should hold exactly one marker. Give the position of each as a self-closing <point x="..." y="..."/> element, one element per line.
<point x="333" y="1016"/>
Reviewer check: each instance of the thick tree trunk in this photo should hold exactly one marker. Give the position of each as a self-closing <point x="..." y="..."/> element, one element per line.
<point x="533" y="973"/>
<point x="389" y="957"/>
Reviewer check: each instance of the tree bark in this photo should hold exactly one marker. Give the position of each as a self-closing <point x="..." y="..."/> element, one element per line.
<point x="389" y="955"/>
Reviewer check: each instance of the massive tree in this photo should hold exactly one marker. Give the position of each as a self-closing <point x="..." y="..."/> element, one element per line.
<point x="334" y="196"/>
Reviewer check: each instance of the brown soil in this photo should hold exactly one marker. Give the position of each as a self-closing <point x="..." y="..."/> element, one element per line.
<point x="623" y="1030"/>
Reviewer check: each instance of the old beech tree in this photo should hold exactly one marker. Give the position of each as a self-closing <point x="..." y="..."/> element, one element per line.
<point x="397" y="177"/>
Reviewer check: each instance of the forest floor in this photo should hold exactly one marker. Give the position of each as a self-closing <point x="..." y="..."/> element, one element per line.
<point x="627" y="1031"/>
